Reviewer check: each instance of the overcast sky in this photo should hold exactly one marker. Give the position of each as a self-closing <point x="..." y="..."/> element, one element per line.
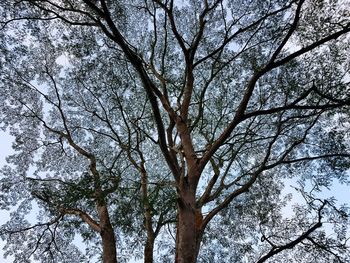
<point x="5" y="149"/>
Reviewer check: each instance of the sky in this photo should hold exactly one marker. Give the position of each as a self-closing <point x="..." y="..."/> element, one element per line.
<point x="5" y="149"/>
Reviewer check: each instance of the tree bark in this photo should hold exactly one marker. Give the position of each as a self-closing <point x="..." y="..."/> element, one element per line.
<point x="199" y="231"/>
<point x="189" y="230"/>
<point x="149" y="246"/>
<point x="148" y="251"/>
<point x="109" y="251"/>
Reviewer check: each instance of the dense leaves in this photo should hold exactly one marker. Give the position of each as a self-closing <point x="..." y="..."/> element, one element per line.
<point x="172" y="125"/>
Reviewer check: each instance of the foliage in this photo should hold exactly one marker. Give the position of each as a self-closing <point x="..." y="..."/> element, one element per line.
<point x="145" y="107"/>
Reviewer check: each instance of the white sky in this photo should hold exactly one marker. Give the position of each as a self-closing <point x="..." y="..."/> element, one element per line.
<point x="5" y="149"/>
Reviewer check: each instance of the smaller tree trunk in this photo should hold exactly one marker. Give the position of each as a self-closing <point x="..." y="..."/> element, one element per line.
<point x="148" y="250"/>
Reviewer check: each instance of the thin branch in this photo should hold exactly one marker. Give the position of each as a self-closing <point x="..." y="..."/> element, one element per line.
<point x="84" y="216"/>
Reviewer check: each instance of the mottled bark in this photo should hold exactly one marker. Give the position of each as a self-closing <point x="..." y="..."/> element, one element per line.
<point x="189" y="229"/>
<point x="109" y="251"/>
<point x="185" y="245"/>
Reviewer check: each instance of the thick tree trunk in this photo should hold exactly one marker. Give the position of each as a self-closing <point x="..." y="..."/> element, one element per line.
<point x="109" y="251"/>
<point x="189" y="233"/>
<point x="108" y="246"/>
<point x="148" y="251"/>
<point x="186" y="236"/>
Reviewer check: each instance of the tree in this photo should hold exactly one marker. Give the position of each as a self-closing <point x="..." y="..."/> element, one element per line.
<point x="172" y="118"/>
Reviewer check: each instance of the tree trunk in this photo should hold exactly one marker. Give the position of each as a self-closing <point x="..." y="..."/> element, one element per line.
<point x="109" y="251"/>
<point x="186" y="236"/>
<point x="108" y="246"/>
<point x="148" y="251"/>
<point x="189" y="233"/>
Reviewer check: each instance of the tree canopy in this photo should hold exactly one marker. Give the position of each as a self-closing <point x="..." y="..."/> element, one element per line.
<point x="166" y="130"/>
